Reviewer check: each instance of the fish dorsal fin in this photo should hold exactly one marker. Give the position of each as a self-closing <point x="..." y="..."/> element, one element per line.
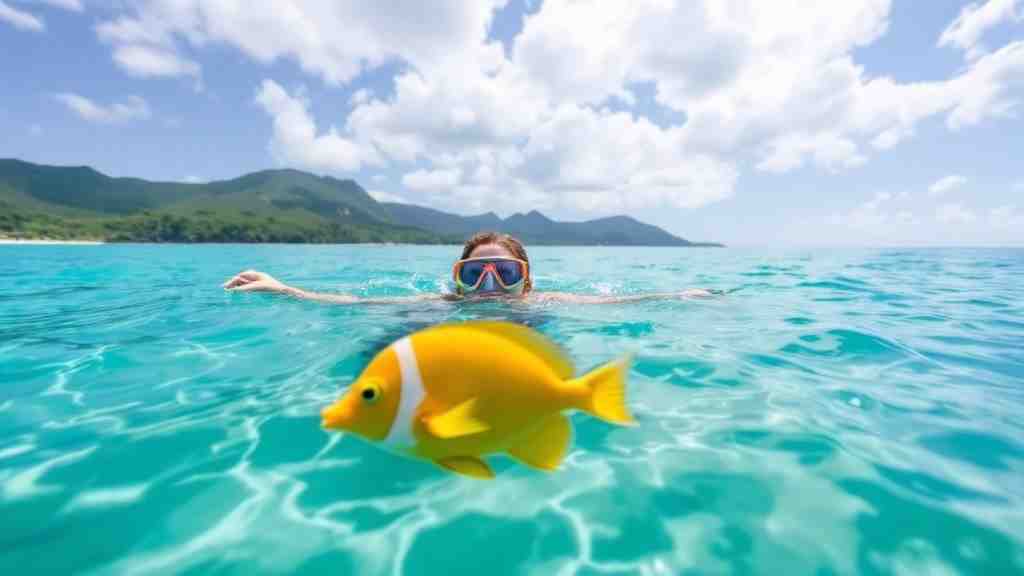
<point x="467" y="466"/>
<point x="545" y="445"/>
<point x="530" y="339"/>
<point x="458" y="421"/>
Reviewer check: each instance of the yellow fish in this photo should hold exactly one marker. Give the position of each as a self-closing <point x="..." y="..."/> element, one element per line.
<point x="456" y="392"/>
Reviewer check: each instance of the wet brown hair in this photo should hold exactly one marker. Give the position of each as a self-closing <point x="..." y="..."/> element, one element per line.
<point x="506" y="241"/>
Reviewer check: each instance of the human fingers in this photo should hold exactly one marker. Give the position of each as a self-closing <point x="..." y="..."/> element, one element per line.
<point x="233" y="281"/>
<point x="245" y="277"/>
<point x="251" y="287"/>
<point x="240" y="280"/>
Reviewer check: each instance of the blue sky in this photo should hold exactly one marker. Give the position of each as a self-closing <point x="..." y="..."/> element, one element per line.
<point x="798" y="123"/>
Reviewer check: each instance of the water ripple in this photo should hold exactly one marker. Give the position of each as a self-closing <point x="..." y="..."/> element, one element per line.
<point x="835" y="412"/>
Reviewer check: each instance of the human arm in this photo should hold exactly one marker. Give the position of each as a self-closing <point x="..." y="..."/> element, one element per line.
<point x="621" y="299"/>
<point x="255" y="281"/>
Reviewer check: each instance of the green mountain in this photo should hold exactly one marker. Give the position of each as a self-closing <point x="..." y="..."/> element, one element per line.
<point x="536" y="228"/>
<point x="270" y="206"/>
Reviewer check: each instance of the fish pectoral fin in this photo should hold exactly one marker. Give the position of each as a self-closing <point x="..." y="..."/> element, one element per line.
<point x="458" y="421"/>
<point x="545" y="445"/>
<point x="467" y="466"/>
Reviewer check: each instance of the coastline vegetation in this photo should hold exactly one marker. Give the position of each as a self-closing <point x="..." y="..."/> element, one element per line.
<point x="203" y="226"/>
<point x="39" y="202"/>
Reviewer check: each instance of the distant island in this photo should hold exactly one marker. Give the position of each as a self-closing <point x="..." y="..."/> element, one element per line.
<point x="286" y="206"/>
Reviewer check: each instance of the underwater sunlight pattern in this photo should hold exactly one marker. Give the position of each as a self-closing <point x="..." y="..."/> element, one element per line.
<point x="847" y="411"/>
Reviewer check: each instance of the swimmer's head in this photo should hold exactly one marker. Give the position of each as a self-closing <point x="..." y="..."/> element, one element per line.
<point x="495" y="245"/>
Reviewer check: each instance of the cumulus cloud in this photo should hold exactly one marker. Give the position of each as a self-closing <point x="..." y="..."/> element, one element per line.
<point x="431" y="180"/>
<point x="307" y="31"/>
<point x="605" y="161"/>
<point x="990" y="89"/>
<point x="829" y="150"/>
<point x="974" y="20"/>
<point x="361" y="96"/>
<point x="954" y="213"/>
<point x="20" y="19"/>
<point x="296" y="141"/>
<point x="144" y="61"/>
<point x="132" y="108"/>
<point x="946" y="184"/>
<point x="551" y="119"/>
<point x="145" y="50"/>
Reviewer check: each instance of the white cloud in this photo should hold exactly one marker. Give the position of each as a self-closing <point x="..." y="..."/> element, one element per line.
<point x="35" y="130"/>
<point x="192" y="179"/>
<point x="974" y="20"/>
<point x="432" y="180"/>
<point x="133" y="108"/>
<point x="307" y="31"/>
<point x="779" y="79"/>
<point x="946" y="184"/>
<point x="145" y="61"/>
<point x="20" y="19"/>
<point x="600" y="160"/>
<point x="990" y="89"/>
<point x="1019" y="186"/>
<point x="954" y="213"/>
<point x="775" y="85"/>
<point x="296" y="141"/>
<point x="361" y="96"/>
<point x="146" y="48"/>
<point x="828" y="150"/>
<point x="126" y="30"/>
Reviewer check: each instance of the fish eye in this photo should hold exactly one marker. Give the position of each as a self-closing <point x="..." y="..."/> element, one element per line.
<point x="371" y="393"/>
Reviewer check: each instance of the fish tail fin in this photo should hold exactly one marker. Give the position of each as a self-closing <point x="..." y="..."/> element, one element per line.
<point x="605" y="395"/>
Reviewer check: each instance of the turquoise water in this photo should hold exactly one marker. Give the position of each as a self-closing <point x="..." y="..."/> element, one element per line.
<point x="838" y="412"/>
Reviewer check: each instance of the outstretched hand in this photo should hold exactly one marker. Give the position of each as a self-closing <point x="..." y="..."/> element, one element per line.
<point x="253" y="281"/>
<point x="696" y="293"/>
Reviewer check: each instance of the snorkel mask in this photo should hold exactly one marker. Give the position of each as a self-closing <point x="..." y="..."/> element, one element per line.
<point x="490" y="275"/>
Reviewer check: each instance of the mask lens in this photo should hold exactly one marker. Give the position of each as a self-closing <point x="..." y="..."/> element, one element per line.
<point x="469" y="273"/>
<point x="510" y="272"/>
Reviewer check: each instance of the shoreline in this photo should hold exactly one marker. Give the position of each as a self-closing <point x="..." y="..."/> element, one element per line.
<point x="15" y="241"/>
<point x="41" y="241"/>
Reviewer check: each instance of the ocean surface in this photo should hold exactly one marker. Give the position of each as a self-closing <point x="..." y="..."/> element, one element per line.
<point x="834" y="412"/>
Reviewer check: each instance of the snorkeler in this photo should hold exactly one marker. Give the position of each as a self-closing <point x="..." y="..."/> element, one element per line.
<point x="492" y="265"/>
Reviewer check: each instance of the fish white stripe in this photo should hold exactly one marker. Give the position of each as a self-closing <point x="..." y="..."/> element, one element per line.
<point x="400" y="436"/>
